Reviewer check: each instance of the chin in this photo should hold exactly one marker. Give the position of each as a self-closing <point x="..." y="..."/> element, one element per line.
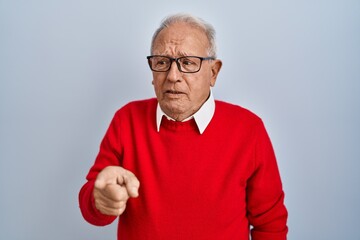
<point x="173" y="109"/>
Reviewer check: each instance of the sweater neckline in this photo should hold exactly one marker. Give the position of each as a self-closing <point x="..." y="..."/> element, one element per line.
<point x="189" y="125"/>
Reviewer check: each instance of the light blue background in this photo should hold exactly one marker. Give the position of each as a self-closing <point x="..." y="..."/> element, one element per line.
<point x="66" y="66"/>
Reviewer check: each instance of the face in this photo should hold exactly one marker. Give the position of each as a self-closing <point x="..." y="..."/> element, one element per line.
<point x="179" y="94"/>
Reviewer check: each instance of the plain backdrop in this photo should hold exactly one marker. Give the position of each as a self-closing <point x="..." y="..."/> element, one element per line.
<point x="66" y="66"/>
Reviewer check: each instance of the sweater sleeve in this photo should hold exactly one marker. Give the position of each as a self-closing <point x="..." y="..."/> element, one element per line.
<point x="266" y="211"/>
<point x="109" y="155"/>
<point x="88" y="209"/>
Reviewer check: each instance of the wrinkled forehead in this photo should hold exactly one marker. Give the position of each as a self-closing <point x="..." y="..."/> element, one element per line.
<point x="181" y="39"/>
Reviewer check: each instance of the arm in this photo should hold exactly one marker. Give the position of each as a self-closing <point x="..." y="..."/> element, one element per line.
<point x="265" y="197"/>
<point x="109" y="186"/>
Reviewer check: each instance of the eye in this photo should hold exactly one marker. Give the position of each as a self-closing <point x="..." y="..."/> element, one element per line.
<point x="187" y="62"/>
<point x="161" y="61"/>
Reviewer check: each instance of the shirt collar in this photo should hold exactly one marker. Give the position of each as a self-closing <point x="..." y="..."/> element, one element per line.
<point x="202" y="117"/>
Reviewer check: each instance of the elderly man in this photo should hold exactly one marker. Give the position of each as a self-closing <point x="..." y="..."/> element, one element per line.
<point x="207" y="168"/>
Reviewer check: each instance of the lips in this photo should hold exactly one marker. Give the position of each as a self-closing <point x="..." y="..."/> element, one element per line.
<point x="173" y="92"/>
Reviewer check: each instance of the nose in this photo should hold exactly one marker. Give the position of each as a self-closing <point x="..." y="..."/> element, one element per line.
<point x="174" y="74"/>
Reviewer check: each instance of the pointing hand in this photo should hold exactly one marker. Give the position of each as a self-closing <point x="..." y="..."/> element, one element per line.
<point x="113" y="187"/>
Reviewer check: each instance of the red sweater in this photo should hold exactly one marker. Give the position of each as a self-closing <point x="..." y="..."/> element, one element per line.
<point x="213" y="185"/>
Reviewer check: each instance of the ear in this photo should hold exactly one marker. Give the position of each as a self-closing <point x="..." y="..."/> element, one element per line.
<point x="215" y="69"/>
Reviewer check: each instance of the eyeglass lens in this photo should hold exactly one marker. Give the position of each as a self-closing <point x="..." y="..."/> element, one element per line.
<point x="186" y="64"/>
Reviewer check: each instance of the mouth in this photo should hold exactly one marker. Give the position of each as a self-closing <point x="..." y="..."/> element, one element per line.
<point x="173" y="92"/>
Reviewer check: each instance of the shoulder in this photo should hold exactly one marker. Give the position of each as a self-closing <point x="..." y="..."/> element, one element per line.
<point x="235" y="119"/>
<point x="139" y="109"/>
<point x="236" y="112"/>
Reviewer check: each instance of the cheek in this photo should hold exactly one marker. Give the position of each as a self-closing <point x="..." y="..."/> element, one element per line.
<point x="158" y="78"/>
<point x="157" y="87"/>
<point x="201" y="84"/>
<point x="199" y="89"/>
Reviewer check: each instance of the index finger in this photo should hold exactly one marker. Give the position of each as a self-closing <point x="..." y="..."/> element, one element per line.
<point x="130" y="181"/>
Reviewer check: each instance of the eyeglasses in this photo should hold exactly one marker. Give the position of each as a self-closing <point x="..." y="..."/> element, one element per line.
<point x="187" y="64"/>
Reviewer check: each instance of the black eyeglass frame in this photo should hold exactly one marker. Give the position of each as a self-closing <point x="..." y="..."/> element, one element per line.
<point x="176" y="60"/>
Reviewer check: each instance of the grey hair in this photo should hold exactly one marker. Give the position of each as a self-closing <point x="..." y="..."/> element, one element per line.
<point x="193" y="21"/>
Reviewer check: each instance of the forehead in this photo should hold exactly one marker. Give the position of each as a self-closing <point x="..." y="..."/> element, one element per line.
<point x="181" y="39"/>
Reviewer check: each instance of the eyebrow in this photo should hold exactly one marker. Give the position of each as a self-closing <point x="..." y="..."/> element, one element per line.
<point x="178" y="54"/>
<point x="182" y="54"/>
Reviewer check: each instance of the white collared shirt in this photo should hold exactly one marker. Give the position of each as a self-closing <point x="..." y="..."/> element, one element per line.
<point x="202" y="117"/>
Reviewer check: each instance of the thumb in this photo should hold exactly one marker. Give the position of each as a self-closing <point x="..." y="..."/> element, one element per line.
<point x="100" y="182"/>
<point x="131" y="183"/>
